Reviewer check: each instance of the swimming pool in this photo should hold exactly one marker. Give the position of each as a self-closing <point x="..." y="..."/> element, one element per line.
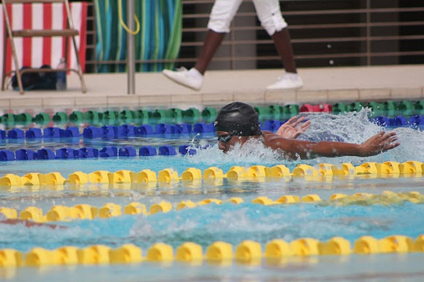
<point x="379" y="214"/>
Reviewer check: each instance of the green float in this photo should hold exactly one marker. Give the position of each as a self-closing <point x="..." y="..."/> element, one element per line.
<point x="290" y="111"/>
<point x="42" y="118"/>
<point x="76" y="117"/>
<point x="177" y="114"/>
<point x="60" y="117"/>
<point x="389" y="108"/>
<point x="339" y="108"/>
<point x="276" y="111"/>
<point x="161" y="115"/>
<point x="405" y="108"/>
<point x="191" y="114"/>
<point x="263" y="112"/>
<point x="419" y="107"/>
<point x="355" y="107"/>
<point x="23" y="118"/>
<point x="8" y="118"/>
<point x="209" y="114"/>
<point x="126" y="115"/>
<point x="142" y="115"/>
<point x="92" y="117"/>
<point x="110" y="115"/>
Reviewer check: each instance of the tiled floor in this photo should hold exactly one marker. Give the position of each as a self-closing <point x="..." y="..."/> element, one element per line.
<point x="321" y="85"/>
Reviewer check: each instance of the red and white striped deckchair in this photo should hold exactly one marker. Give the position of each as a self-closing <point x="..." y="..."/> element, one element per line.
<point x="39" y="31"/>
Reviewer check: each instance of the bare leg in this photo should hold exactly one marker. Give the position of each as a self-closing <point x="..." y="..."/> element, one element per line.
<point x="290" y="80"/>
<point x="212" y="42"/>
<point x="284" y="48"/>
<point x="193" y="78"/>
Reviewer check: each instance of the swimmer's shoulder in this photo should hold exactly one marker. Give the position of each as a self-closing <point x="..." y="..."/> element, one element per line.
<point x="276" y="143"/>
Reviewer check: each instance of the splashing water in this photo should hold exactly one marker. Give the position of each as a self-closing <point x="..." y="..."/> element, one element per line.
<point x="252" y="152"/>
<point x="353" y="127"/>
<point x="411" y="145"/>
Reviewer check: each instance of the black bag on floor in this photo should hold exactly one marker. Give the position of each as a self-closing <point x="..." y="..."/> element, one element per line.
<point x="36" y="80"/>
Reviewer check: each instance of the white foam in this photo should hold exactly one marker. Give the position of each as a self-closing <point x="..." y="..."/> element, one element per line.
<point x="353" y="127"/>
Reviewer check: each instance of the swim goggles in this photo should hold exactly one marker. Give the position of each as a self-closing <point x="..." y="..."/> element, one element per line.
<point x="225" y="138"/>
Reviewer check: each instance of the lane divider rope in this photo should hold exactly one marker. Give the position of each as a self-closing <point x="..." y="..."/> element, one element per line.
<point x="387" y="108"/>
<point x="321" y="172"/>
<point x="109" y="132"/>
<point x="108" y="210"/>
<point x="93" y="153"/>
<point x="247" y="252"/>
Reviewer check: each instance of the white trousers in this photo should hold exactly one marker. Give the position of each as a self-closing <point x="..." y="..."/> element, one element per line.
<point x="268" y="12"/>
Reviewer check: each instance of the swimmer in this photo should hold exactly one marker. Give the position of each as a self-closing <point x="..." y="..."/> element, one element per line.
<point x="237" y="123"/>
<point x="28" y="223"/>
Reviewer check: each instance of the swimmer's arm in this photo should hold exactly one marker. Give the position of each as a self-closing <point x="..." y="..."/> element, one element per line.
<point x="307" y="150"/>
<point x="28" y="223"/>
<point x="379" y="143"/>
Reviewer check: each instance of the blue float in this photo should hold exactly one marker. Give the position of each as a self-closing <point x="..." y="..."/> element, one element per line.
<point x="268" y="125"/>
<point x="7" y="155"/>
<point x="121" y="132"/>
<point x="33" y="133"/>
<point x="108" y="152"/>
<point x="127" y="151"/>
<point x="144" y="130"/>
<point x="66" y="153"/>
<point x="163" y="128"/>
<point x="88" y="152"/>
<point x="91" y="132"/>
<point x="109" y="132"/>
<point x="183" y="128"/>
<point x="202" y="127"/>
<point x="167" y="150"/>
<point x="52" y="132"/>
<point x="125" y="131"/>
<point x="45" y="154"/>
<point x="416" y="120"/>
<point x="71" y="132"/>
<point x="187" y="150"/>
<point x="62" y="133"/>
<point x="381" y="121"/>
<point x="24" y="155"/>
<point x="16" y="133"/>
<point x="398" y="121"/>
<point x="147" y="151"/>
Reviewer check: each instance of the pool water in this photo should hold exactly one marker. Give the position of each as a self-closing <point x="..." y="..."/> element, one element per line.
<point x="226" y="222"/>
<point x="328" y="268"/>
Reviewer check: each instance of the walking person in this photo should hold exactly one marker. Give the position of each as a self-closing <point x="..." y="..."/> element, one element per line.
<point x="220" y="18"/>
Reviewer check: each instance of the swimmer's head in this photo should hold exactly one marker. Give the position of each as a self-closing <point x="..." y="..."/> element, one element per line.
<point x="235" y="124"/>
<point x="238" y="119"/>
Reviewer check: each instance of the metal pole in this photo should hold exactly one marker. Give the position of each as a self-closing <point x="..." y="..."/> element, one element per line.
<point x="130" y="48"/>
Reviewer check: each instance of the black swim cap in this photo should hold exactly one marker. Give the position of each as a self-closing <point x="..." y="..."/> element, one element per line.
<point x="238" y="119"/>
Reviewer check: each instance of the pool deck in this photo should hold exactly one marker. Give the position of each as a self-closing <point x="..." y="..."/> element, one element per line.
<point x="322" y="85"/>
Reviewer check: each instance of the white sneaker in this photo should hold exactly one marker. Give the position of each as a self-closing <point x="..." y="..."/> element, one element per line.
<point x="187" y="78"/>
<point x="287" y="82"/>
